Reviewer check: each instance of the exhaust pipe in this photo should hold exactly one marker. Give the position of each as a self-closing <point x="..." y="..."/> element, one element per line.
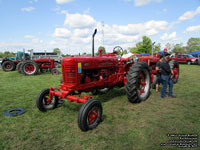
<point x="95" y="31"/>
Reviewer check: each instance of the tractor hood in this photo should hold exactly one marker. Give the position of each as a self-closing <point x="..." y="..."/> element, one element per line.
<point x="91" y="62"/>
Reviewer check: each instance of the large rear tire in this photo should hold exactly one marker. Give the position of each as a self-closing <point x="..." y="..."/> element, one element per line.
<point x="19" y="66"/>
<point x="90" y="115"/>
<point x="42" y="102"/>
<point x="175" y="67"/>
<point x="138" y="82"/>
<point x="8" y="66"/>
<point x="29" y="68"/>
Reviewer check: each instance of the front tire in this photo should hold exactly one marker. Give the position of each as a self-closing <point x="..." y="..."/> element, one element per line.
<point x="189" y="63"/>
<point x="54" y="71"/>
<point x="42" y="102"/>
<point x="90" y="115"/>
<point x="138" y="82"/>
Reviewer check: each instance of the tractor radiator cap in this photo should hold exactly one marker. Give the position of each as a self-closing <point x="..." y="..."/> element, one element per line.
<point x="14" y="112"/>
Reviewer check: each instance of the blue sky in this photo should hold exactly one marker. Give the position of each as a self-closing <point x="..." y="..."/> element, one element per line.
<point x="68" y="24"/>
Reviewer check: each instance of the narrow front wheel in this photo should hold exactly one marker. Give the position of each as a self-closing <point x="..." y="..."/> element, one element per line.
<point x="90" y="115"/>
<point x="44" y="103"/>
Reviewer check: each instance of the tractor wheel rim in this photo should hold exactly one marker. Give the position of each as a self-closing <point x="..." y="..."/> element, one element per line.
<point x="29" y="68"/>
<point x="176" y="73"/>
<point x="48" y="103"/>
<point x="44" y="70"/>
<point x="93" y="115"/>
<point x="8" y="66"/>
<point x="143" y="84"/>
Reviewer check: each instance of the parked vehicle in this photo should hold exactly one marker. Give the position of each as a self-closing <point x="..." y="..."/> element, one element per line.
<point x="87" y="74"/>
<point x="13" y="63"/>
<point x="50" y="55"/>
<point x="10" y="63"/>
<point x="185" y="58"/>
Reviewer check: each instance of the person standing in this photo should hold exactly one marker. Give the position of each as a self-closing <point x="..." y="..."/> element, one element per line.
<point x="166" y="73"/>
<point x="158" y="74"/>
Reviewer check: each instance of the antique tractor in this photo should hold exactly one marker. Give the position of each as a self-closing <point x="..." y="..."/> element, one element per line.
<point x="87" y="74"/>
<point x="152" y="60"/>
<point x="23" y="63"/>
<point x="31" y="67"/>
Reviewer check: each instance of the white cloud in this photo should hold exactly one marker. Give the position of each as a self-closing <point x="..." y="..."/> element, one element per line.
<point x="62" y="33"/>
<point x="82" y="32"/>
<point x="33" y="38"/>
<point x="78" y="35"/>
<point x="79" y="21"/>
<point x="167" y="36"/>
<point x="144" y="2"/>
<point x="149" y="28"/>
<point x="29" y="36"/>
<point x="189" y="15"/>
<point x="63" y="1"/>
<point x="192" y="29"/>
<point x="28" y="9"/>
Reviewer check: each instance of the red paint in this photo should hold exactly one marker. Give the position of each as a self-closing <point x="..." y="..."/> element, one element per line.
<point x="29" y="68"/>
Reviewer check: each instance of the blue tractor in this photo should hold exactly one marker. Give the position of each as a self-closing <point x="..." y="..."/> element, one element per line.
<point x="10" y="63"/>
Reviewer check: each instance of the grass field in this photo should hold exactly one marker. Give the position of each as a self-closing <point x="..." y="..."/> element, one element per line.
<point x="125" y="126"/>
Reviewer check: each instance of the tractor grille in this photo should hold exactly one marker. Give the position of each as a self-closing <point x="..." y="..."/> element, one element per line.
<point x="70" y="73"/>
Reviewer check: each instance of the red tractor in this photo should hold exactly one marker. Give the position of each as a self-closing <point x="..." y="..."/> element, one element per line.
<point x="31" y="67"/>
<point x="152" y="60"/>
<point x="87" y="74"/>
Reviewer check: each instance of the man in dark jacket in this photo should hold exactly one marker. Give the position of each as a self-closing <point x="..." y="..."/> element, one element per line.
<point x="166" y="72"/>
<point x="158" y="75"/>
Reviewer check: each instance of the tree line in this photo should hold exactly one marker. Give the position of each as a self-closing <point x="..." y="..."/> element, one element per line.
<point x="144" y="46"/>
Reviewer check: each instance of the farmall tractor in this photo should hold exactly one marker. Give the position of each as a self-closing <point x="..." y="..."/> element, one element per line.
<point x="31" y="67"/>
<point x="87" y="74"/>
<point x="152" y="60"/>
<point x="25" y="65"/>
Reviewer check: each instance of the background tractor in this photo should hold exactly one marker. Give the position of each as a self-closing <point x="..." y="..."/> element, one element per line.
<point x="10" y="63"/>
<point x="152" y="60"/>
<point x="87" y="74"/>
<point x="25" y="65"/>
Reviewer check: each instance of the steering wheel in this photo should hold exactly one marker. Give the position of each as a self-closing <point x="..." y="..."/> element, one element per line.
<point x="118" y="48"/>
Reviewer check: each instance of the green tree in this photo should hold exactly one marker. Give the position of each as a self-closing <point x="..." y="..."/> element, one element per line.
<point x="178" y="48"/>
<point x="169" y="46"/>
<point x="7" y="54"/>
<point x="56" y="50"/>
<point x="133" y="50"/>
<point x="125" y="51"/>
<point x="145" y="46"/>
<point x="193" y="44"/>
<point x="65" y="55"/>
<point x="1" y="55"/>
<point x="157" y="48"/>
<point x="103" y="50"/>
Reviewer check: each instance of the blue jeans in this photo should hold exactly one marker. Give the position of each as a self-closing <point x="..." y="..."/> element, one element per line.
<point x="159" y="80"/>
<point x="165" y="81"/>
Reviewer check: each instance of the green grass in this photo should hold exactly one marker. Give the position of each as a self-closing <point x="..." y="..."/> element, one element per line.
<point x="125" y="125"/>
